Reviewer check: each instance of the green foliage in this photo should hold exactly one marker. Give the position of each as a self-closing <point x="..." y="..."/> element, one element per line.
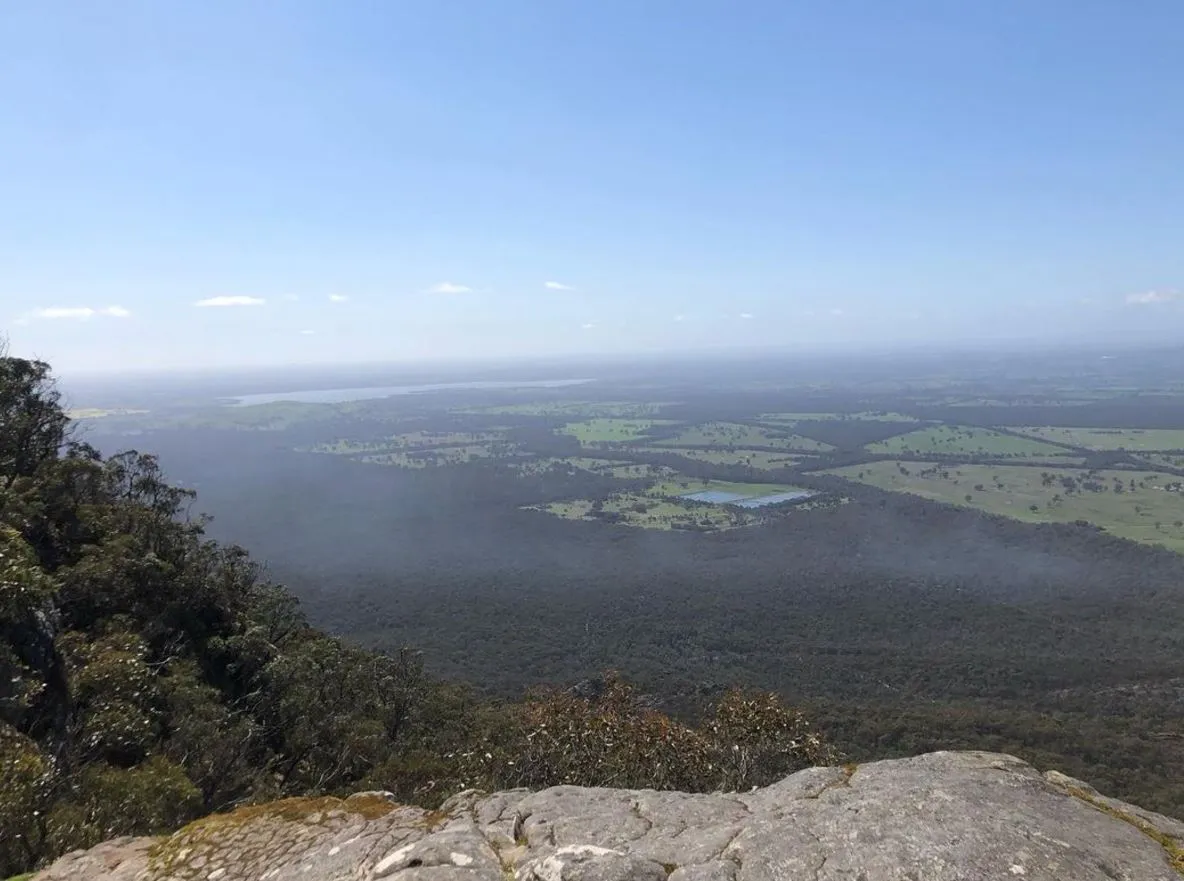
<point x="32" y="422"/>
<point x="153" y="797"/>
<point x="613" y="738"/>
<point x="23" y="587"/>
<point x="26" y="777"/>
<point x="759" y="740"/>
<point x="362" y="701"/>
<point x="114" y="691"/>
<point x="148" y="675"/>
<point x="24" y="592"/>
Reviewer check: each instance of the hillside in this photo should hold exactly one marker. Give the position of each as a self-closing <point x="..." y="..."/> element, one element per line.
<point x="150" y="676"/>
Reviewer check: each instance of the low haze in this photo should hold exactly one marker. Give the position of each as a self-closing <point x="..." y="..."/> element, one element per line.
<point x="408" y="398"/>
<point x="227" y="183"/>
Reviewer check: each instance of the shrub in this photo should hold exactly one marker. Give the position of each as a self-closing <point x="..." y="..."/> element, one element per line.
<point x="151" y="798"/>
<point x="612" y="738"/>
<point x="26" y="783"/>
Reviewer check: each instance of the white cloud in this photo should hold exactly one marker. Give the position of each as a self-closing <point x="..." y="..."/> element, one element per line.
<point x="81" y="312"/>
<point x="447" y="287"/>
<point x="337" y="298"/>
<point x="746" y="315"/>
<point x="680" y="318"/>
<point x="230" y="301"/>
<point x="588" y="326"/>
<point x="1152" y="298"/>
<point x="557" y="286"/>
<point x="76" y="313"/>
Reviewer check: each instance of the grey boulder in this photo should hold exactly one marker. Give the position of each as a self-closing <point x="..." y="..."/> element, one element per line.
<point x="946" y="816"/>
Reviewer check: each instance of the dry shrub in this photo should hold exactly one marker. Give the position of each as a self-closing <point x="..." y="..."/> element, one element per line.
<point x="613" y="739"/>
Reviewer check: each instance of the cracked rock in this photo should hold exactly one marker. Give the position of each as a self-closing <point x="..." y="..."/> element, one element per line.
<point x="947" y="816"/>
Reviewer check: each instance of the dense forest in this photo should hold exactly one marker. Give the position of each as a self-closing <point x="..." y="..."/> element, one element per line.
<point x="149" y="675"/>
<point x="153" y="671"/>
<point x="897" y="623"/>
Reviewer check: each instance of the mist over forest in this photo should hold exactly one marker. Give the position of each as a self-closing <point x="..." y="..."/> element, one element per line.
<point x="903" y="618"/>
<point x="407" y="399"/>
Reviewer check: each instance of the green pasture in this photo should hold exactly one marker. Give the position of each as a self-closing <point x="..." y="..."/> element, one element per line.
<point x="958" y="440"/>
<point x="647" y="512"/>
<point x="436" y="457"/>
<point x="1134" y="439"/>
<point x="611" y="430"/>
<point x="736" y="435"/>
<point x="1147" y="507"/>
<point x="609" y="467"/>
<point x="412" y="440"/>
<point x="99" y="413"/>
<point x="760" y="459"/>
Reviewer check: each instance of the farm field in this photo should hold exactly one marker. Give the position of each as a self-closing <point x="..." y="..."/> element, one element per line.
<point x="610" y="467"/>
<point x="415" y="440"/>
<point x="677" y="503"/>
<point x="1111" y="438"/>
<point x="955" y="440"/>
<point x="752" y="458"/>
<point x="647" y="512"/>
<point x="732" y="434"/>
<point x="99" y="413"/>
<point x="1066" y="461"/>
<point x="611" y="430"/>
<point x="438" y="456"/>
<point x="1149" y="508"/>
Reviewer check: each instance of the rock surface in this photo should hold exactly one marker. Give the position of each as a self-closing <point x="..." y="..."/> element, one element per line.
<point x="968" y="816"/>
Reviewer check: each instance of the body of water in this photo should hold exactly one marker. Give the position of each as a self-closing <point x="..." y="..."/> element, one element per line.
<point x="714" y="496"/>
<point x="761" y="501"/>
<point x="343" y="395"/>
<point x="720" y="497"/>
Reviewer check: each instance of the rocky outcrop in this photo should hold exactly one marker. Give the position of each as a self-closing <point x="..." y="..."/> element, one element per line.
<point x="968" y="816"/>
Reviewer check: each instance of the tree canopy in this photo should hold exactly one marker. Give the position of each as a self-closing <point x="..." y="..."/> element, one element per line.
<point x="149" y="675"/>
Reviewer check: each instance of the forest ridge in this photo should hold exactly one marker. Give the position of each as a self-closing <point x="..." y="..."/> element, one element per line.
<point x="149" y="676"/>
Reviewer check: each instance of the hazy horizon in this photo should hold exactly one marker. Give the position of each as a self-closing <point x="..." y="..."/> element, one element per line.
<point x="238" y="185"/>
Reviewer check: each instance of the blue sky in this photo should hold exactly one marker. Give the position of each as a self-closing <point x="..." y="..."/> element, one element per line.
<point x="348" y="181"/>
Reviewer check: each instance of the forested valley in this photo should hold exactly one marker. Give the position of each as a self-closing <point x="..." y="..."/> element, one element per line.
<point x="149" y="676"/>
<point x="414" y="629"/>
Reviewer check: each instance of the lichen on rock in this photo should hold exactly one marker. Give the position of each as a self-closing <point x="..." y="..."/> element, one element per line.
<point x="940" y="817"/>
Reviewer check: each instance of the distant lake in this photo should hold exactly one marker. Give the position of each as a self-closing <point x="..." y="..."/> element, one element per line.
<point x="342" y="395"/>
